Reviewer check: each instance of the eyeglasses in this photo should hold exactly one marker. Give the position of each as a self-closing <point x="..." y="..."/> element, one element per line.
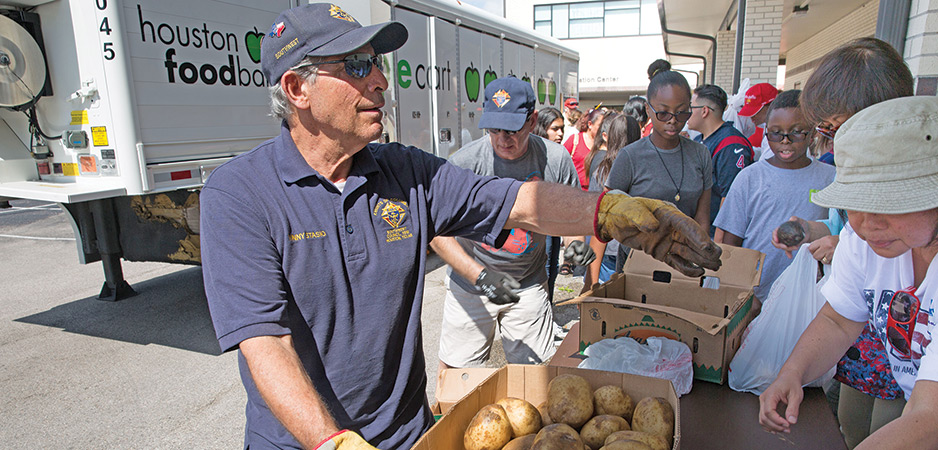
<point x="827" y="130"/>
<point x="497" y="131"/>
<point x="794" y="136"/>
<point x="666" y="116"/>
<point x="692" y="107"/>
<point x="356" y="66"/>
<point x="903" y="309"/>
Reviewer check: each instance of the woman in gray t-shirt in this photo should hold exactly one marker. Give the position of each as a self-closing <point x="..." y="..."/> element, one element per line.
<point x="666" y="165"/>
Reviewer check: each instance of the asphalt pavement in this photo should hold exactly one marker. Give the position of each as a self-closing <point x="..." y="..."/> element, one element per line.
<point x="77" y="372"/>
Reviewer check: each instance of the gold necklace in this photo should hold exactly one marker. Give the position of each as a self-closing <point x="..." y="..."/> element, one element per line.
<point x="677" y="188"/>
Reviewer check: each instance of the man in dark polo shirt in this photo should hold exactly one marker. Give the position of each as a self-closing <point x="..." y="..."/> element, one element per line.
<point x="314" y="243"/>
<point x="730" y="151"/>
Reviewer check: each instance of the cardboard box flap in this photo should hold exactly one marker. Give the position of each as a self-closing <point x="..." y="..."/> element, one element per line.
<point x="710" y="324"/>
<point x="742" y="267"/>
<point x="453" y="384"/>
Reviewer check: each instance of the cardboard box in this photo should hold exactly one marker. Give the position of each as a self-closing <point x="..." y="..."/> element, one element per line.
<point x="649" y="298"/>
<point x="530" y="383"/>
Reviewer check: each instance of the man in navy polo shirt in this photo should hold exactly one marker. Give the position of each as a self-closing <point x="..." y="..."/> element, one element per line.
<point x="314" y="243"/>
<point x="730" y="151"/>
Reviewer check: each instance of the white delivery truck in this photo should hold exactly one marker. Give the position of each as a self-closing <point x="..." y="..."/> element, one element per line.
<point x="118" y="110"/>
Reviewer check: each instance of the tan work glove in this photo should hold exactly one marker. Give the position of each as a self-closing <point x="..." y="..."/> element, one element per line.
<point x="657" y="228"/>
<point x="345" y="440"/>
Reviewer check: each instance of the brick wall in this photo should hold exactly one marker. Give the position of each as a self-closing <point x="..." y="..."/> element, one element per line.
<point x="726" y="54"/>
<point x="802" y="59"/>
<point x="921" y="45"/>
<point x="763" y="33"/>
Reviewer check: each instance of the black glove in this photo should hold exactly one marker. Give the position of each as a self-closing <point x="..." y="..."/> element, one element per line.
<point x="579" y="253"/>
<point x="498" y="287"/>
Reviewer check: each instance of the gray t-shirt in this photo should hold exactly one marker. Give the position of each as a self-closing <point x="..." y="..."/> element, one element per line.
<point x="522" y="256"/>
<point x="597" y="185"/>
<point x="762" y="198"/>
<point x="639" y="172"/>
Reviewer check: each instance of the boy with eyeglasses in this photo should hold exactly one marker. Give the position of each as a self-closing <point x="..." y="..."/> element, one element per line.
<point x="772" y="190"/>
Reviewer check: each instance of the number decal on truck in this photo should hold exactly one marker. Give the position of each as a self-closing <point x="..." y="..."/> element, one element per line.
<point x="108" y="47"/>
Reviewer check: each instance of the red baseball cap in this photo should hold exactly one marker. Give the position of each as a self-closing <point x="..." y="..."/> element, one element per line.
<point x="756" y="97"/>
<point x="571" y="103"/>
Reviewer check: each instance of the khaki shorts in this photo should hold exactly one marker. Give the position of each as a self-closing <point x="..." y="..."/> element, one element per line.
<point x="470" y="320"/>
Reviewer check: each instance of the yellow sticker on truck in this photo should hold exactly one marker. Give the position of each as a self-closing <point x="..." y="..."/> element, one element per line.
<point x="99" y="136"/>
<point x="70" y="169"/>
<point x="79" y="117"/>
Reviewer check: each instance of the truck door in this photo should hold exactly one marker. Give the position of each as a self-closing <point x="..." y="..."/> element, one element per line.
<point x="443" y="88"/>
<point x="412" y="79"/>
<point x="547" y="66"/>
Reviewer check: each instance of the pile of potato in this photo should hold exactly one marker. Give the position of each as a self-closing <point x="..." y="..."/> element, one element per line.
<point x="573" y="418"/>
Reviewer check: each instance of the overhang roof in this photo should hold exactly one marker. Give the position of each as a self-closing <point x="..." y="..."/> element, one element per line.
<point x="706" y="17"/>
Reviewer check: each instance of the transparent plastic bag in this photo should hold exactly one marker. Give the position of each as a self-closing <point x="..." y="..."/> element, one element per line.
<point x="793" y="302"/>
<point x="660" y="358"/>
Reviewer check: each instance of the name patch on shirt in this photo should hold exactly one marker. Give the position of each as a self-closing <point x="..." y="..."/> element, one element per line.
<point x="393" y="212"/>
<point x="295" y="237"/>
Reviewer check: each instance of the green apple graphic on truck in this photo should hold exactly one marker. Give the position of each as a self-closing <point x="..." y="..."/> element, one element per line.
<point x="552" y="92"/>
<point x="541" y="90"/>
<point x="490" y="76"/>
<point x="252" y="41"/>
<point x="472" y="83"/>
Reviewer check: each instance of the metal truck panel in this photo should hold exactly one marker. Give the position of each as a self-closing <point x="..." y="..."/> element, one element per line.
<point x="444" y="88"/>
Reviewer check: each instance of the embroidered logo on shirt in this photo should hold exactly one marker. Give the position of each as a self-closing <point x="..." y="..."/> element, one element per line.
<point x="501" y="98"/>
<point x="393" y="212"/>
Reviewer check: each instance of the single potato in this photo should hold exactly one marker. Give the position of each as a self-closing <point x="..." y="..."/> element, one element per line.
<point x="613" y="400"/>
<point x="570" y="400"/>
<point x="652" y="440"/>
<point x="520" y="443"/>
<point x="489" y="429"/>
<point x="654" y="415"/>
<point x="524" y="417"/>
<point x="545" y="417"/>
<point x="626" y="445"/>
<point x="558" y="436"/>
<point x="595" y="431"/>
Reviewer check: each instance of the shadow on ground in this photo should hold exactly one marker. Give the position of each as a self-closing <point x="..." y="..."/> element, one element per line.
<point x="169" y="310"/>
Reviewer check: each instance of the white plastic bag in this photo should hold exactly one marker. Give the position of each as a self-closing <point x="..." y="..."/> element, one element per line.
<point x="734" y="104"/>
<point x="793" y="302"/>
<point x="660" y="358"/>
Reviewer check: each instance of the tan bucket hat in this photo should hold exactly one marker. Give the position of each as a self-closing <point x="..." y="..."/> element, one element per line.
<point x="887" y="159"/>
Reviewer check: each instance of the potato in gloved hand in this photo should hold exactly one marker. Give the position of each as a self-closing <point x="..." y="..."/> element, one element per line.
<point x="657" y="228"/>
<point x="345" y="440"/>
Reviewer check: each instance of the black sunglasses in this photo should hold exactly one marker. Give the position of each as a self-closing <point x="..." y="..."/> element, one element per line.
<point x="356" y="66"/>
<point x="666" y="116"/>
<point x="794" y="136"/>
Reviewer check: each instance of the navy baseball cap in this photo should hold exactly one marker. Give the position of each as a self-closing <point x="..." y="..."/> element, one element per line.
<point x="508" y="102"/>
<point x="321" y="29"/>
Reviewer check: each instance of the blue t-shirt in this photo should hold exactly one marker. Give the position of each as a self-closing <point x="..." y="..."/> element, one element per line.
<point x="284" y="252"/>
<point x="762" y="198"/>
<point x="727" y="163"/>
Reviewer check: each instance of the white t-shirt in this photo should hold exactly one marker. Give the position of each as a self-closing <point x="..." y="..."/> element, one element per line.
<point x="860" y="287"/>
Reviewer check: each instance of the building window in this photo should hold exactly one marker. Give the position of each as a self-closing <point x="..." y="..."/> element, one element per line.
<point x="598" y="19"/>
